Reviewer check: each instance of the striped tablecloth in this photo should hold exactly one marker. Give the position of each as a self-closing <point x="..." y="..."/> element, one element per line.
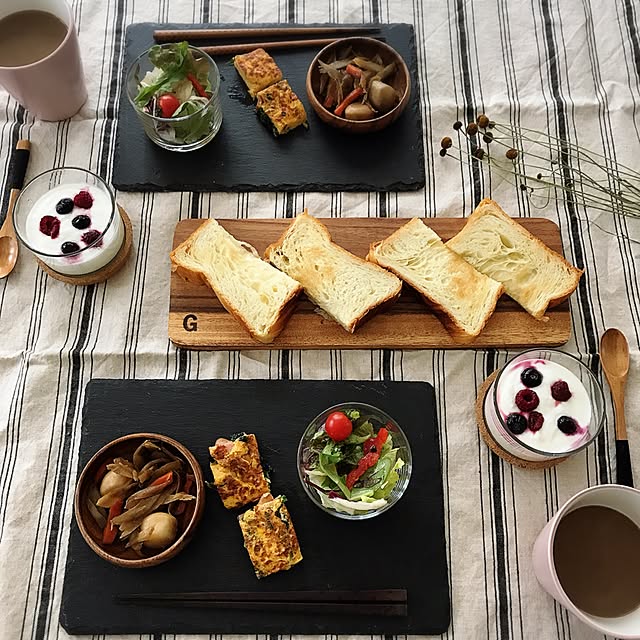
<point x="569" y="67"/>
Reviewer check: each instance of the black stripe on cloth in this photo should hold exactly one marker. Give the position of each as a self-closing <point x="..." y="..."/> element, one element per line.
<point x="562" y="124"/>
<point x="503" y="604"/>
<point x="75" y="391"/>
<point x="629" y="16"/>
<point x="55" y="524"/>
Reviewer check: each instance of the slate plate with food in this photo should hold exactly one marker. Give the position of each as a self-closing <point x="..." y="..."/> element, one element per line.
<point x="245" y="156"/>
<point x="402" y="548"/>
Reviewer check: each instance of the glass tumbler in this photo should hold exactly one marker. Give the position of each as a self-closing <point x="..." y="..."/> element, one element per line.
<point x="183" y="133"/>
<point x="71" y="237"/>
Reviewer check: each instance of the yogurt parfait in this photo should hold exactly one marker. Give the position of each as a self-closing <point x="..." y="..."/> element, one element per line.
<point x="69" y="219"/>
<point x="544" y="405"/>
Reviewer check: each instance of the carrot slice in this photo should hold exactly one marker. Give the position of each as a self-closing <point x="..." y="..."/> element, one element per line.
<point x="352" y="97"/>
<point x="109" y="533"/>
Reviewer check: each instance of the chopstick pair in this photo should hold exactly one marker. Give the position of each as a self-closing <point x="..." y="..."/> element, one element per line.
<point x="175" y="35"/>
<point x="384" y="602"/>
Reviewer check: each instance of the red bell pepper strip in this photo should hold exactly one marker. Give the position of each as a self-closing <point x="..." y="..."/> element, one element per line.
<point x="197" y="86"/>
<point x="352" y="70"/>
<point x="366" y="462"/>
<point x="165" y="479"/>
<point x="352" y="97"/>
<point x="375" y="444"/>
<point x="110" y="531"/>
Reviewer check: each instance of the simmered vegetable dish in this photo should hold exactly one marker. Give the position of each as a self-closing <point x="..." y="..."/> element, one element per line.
<point x="141" y="501"/>
<point x="356" y="87"/>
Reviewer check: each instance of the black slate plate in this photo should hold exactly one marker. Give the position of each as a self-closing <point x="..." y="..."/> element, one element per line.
<point x="402" y="548"/>
<point x="244" y="156"/>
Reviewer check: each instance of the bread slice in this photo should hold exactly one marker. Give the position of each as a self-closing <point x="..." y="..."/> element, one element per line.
<point x="259" y="296"/>
<point x="461" y="297"/>
<point x="347" y="288"/>
<point x="532" y="274"/>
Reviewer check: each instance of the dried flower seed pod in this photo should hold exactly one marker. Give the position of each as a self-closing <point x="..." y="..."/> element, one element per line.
<point x="457" y="125"/>
<point x="479" y="153"/>
<point x="539" y="176"/>
<point x="443" y="153"/>
<point x="472" y="128"/>
<point x="488" y="137"/>
<point x="512" y="154"/>
<point x="483" y="121"/>
<point x="446" y="142"/>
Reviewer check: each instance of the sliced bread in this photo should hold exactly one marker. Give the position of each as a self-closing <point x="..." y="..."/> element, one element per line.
<point x="346" y="287"/>
<point x="532" y="274"/>
<point x="461" y="297"/>
<point x="259" y="296"/>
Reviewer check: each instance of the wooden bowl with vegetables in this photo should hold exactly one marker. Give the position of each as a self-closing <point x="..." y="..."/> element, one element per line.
<point x="359" y="85"/>
<point x="139" y="499"/>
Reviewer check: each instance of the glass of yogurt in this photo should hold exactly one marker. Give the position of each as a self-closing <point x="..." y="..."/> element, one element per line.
<point x="68" y="217"/>
<point x="544" y="405"/>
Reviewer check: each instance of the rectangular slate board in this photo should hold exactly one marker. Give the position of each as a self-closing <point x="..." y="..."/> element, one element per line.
<point x="402" y="548"/>
<point x="245" y="156"/>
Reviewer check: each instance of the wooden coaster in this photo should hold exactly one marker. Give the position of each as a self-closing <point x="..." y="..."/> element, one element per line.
<point x="493" y="444"/>
<point x="108" y="270"/>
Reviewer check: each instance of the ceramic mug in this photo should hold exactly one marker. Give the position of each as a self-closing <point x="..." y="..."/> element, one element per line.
<point x="623" y="499"/>
<point x="52" y="88"/>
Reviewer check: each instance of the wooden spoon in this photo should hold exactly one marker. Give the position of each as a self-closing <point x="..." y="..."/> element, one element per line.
<point x="614" y="356"/>
<point x="8" y="240"/>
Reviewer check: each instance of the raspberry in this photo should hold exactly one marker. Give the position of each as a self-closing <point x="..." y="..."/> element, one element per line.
<point x="527" y="400"/>
<point x="64" y="206"/>
<point x="70" y="247"/>
<point x="516" y="423"/>
<point x="567" y="425"/>
<point x="50" y="226"/>
<point x="531" y="377"/>
<point x="560" y="391"/>
<point x="536" y="420"/>
<point x="91" y="236"/>
<point x="83" y="200"/>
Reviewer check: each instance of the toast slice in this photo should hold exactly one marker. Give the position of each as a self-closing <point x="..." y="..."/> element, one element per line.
<point x="346" y="287"/>
<point x="259" y="296"/>
<point x="532" y="274"/>
<point x="460" y="296"/>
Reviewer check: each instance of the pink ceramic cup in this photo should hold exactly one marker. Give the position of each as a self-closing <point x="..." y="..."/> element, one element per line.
<point x="623" y="499"/>
<point x="52" y="88"/>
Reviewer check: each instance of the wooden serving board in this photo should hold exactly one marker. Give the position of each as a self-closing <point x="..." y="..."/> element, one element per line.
<point x="197" y="320"/>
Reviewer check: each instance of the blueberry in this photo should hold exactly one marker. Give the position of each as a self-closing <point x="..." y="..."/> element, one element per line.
<point x="70" y="247"/>
<point x="531" y="377"/>
<point x="65" y="206"/>
<point x="516" y="423"/>
<point x="81" y="222"/>
<point x="567" y="425"/>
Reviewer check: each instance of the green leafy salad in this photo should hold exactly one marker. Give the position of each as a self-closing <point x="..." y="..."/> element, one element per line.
<point x="351" y="463"/>
<point x="176" y="87"/>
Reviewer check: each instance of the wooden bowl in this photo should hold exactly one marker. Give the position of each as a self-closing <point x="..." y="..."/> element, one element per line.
<point x="116" y="553"/>
<point x="367" y="47"/>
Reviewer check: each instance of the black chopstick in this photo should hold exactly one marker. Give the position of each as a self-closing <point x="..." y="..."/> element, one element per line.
<point x="386" y="602"/>
<point x="176" y="35"/>
<point x="375" y="595"/>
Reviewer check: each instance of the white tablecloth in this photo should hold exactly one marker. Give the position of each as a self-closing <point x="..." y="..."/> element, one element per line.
<point x="570" y="65"/>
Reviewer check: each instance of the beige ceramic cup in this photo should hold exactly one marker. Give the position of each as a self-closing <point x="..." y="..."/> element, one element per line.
<point x="52" y="88"/>
<point x="615" y="496"/>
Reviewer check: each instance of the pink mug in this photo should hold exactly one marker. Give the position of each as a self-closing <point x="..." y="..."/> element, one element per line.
<point x="52" y="88"/>
<point x="615" y="496"/>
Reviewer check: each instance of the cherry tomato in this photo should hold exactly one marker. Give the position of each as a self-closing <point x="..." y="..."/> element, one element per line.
<point x="338" y="426"/>
<point x="168" y="104"/>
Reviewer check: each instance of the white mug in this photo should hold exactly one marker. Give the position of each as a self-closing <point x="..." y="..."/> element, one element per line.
<point x="626" y="500"/>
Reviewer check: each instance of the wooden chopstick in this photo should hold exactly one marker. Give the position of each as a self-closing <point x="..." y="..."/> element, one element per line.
<point x="375" y="595"/>
<point x="387" y="603"/>
<point x="229" y="49"/>
<point x="176" y="35"/>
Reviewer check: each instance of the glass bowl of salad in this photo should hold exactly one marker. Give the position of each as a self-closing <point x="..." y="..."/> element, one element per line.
<point x="175" y="91"/>
<point x="354" y="461"/>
